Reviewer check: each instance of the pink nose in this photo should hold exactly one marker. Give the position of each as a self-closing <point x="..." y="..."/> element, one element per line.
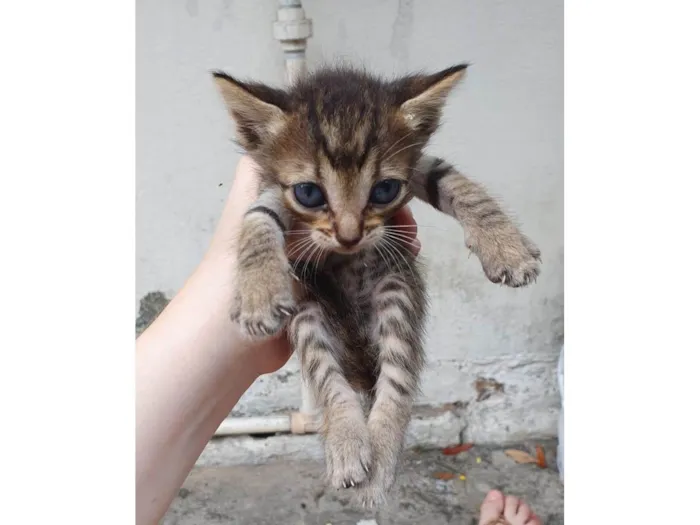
<point x="348" y="243"/>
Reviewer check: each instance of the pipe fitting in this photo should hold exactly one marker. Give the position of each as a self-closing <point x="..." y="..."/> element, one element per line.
<point x="303" y="423"/>
<point x="292" y="28"/>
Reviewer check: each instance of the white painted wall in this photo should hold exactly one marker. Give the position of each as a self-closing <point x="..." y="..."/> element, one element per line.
<point x="504" y="126"/>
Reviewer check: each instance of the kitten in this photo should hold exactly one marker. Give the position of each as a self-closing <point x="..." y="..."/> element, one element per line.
<point x="340" y="152"/>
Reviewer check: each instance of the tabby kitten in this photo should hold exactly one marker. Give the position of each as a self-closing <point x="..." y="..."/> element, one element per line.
<point x="340" y="152"/>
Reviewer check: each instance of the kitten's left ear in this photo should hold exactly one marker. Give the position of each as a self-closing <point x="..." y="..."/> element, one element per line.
<point x="259" y="110"/>
<point x="422" y="97"/>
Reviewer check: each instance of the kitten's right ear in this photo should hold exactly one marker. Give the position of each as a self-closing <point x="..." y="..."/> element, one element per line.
<point x="259" y="110"/>
<point x="421" y="97"/>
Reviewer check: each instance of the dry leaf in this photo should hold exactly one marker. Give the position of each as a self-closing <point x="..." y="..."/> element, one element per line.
<point x="519" y="456"/>
<point x="445" y="476"/>
<point x="452" y="451"/>
<point x="541" y="461"/>
<point x="485" y="388"/>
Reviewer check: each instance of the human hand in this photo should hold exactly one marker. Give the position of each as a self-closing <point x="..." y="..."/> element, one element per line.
<point x="274" y="352"/>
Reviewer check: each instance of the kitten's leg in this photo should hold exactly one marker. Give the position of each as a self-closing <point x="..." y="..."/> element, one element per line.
<point x="506" y="255"/>
<point x="344" y="430"/>
<point x="399" y="307"/>
<point x="264" y="300"/>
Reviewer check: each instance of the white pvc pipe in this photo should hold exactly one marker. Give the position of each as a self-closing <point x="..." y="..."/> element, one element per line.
<point x="254" y="425"/>
<point x="293" y="29"/>
<point x="295" y="422"/>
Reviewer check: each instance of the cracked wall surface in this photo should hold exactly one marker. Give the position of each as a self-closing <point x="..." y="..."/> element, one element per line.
<point x="503" y="126"/>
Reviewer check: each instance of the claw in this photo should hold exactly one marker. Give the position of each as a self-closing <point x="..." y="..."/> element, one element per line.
<point x="285" y="311"/>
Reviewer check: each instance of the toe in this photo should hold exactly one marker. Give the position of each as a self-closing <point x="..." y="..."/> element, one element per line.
<point x="524" y="513"/>
<point x="491" y="508"/>
<point x="534" y="520"/>
<point x="511" y="509"/>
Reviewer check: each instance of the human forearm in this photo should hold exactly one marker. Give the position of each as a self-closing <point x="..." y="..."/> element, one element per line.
<point x="208" y="368"/>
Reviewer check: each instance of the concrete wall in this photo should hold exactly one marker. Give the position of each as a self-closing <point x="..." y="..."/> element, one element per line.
<point x="504" y="126"/>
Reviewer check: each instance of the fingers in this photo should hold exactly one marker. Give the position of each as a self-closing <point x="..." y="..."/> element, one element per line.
<point x="246" y="183"/>
<point x="406" y="227"/>
<point x="242" y="194"/>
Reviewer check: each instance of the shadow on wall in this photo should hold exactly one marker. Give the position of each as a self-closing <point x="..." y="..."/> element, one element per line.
<point x="150" y="307"/>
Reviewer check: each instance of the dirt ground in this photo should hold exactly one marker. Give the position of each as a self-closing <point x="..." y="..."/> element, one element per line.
<point x="294" y="492"/>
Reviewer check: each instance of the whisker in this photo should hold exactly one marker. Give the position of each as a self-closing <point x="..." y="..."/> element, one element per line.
<point x="317" y="263"/>
<point x="379" y="251"/>
<point x="318" y="249"/>
<point x="299" y="252"/>
<point x="301" y="256"/>
<point x="292" y="248"/>
<point x="308" y="259"/>
<point x="399" y="151"/>
<point x="298" y="244"/>
<point x="395" y="262"/>
<point x="401" y="236"/>
<point x="398" y="251"/>
<point x="419" y="226"/>
<point x="300" y="240"/>
<point x="400" y="232"/>
<point x="399" y="141"/>
<point x="408" y="241"/>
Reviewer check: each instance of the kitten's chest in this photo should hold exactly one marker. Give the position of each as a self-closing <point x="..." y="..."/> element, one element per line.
<point x="357" y="276"/>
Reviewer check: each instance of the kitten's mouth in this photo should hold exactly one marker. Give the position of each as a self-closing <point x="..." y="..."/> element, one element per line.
<point x="348" y="250"/>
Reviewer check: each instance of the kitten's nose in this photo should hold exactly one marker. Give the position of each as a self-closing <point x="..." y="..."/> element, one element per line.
<point x="348" y="243"/>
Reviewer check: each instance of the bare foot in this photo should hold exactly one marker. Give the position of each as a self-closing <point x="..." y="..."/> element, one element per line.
<point x="509" y="510"/>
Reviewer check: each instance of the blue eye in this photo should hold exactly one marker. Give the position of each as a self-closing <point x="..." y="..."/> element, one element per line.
<point x="309" y="195"/>
<point x="385" y="191"/>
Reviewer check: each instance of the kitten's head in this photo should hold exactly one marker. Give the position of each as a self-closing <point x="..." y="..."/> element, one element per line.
<point x="341" y="143"/>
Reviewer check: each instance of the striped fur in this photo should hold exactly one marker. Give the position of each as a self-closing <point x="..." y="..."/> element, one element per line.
<point x="358" y="322"/>
<point x="263" y="310"/>
<point x="507" y="256"/>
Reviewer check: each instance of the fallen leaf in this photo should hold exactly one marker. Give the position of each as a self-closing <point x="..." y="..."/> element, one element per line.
<point x="452" y="451"/>
<point x="519" y="456"/>
<point x="485" y="388"/>
<point x="478" y="460"/>
<point x="445" y="476"/>
<point x="541" y="461"/>
<point x="462" y="477"/>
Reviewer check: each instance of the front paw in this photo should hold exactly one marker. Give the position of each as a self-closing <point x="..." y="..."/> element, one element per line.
<point x="512" y="260"/>
<point x="348" y="454"/>
<point x="264" y="301"/>
<point x="386" y="447"/>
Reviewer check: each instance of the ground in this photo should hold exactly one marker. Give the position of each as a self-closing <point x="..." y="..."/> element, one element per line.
<point x="294" y="492"/>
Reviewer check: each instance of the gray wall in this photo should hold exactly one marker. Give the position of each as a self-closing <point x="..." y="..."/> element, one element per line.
<point x="504" y="126"/>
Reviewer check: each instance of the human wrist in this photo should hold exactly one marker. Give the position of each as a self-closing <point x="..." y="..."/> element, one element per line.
<point x="210" y="289"/>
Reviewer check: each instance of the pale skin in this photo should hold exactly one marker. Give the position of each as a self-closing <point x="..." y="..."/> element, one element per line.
<point x="193" y="365"/>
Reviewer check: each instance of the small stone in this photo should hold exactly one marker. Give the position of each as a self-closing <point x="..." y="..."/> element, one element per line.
<point x="442" y="486"/>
